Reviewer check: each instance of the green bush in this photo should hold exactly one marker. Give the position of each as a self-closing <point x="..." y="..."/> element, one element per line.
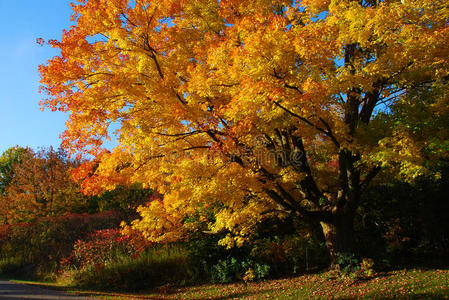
<point x="231" y="269"/>
<point x="348" y="263"/>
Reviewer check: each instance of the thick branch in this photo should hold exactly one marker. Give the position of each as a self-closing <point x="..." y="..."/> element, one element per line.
<point x="278" y="199"/>
<point x="370" y="101"/>
<point x="317" y="215"/>
<point x="308" y="184"/>
<point x="369" y="177"/>
<point x="327" y="133"/>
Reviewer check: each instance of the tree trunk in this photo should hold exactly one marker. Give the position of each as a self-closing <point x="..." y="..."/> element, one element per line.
<point x="339" y="236"/>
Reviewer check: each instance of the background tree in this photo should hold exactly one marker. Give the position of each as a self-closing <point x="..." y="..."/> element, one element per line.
<point x="41" y="185"/>
<point x="248" y="109"/>
<point x="57" y="188"/>
<point x="10" y="157"/>
<point x="24" y="196"/>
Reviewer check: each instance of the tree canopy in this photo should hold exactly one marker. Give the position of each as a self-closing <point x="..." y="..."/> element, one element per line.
<point x="247" y="109"/>
<point x="8" y="158"/>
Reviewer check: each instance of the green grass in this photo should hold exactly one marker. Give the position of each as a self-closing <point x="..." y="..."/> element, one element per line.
<point x="403" y="284"/>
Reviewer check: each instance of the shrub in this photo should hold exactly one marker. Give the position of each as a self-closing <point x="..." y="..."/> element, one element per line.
<point x="366" y="266"/>
<point x="231" y="269"/>
<point x="40" y="245"/>
<point x="347" y="263"/>
<point x="101" y="246"/>
<point x="155" y="266"/>
<point x="290" y="254"/>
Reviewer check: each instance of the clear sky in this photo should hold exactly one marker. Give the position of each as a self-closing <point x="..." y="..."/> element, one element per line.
<point x="22" y="22"/>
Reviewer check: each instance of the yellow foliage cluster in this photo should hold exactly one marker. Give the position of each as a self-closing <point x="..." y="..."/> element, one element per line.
<point x="210" y="98"/>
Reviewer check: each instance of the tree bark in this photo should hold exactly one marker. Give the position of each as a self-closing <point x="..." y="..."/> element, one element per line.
<point x="339" y="236"/>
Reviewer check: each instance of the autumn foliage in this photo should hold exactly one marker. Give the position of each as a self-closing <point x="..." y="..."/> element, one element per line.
<point x="242" y="110"/>
<point x="40" y="185"/>
<point x="42" y="243"/>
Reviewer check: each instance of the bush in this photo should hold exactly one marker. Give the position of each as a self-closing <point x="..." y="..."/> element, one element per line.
<point x="101" y="246"/>
<point x="231" y="269"/>
<point x="290" y="254"/>
<point x="39" y="246"/>
<point x="347" y="263"/>
<point x="153" y="267"/>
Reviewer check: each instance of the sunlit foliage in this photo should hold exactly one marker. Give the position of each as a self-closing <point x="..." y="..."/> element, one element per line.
<point x="245" y="109"/>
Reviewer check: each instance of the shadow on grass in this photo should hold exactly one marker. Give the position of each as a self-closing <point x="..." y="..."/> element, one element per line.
<point x="408" y="297"/>
<point x="237" y="295"/>
<point x="218" y="291"/>
<point x="163" y="292"/>
<point x="157" y="294"/>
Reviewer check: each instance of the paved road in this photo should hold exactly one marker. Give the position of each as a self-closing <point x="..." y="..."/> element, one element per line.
<point x="15" y="291"/>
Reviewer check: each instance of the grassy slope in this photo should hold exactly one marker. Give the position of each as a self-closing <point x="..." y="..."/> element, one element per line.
<point x="404" y="284"/>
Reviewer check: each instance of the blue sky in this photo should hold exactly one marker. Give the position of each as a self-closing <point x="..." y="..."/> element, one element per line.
<point x="22" y="22"/>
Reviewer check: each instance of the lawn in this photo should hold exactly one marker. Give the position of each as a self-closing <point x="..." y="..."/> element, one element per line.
<point x="402" y="284"/>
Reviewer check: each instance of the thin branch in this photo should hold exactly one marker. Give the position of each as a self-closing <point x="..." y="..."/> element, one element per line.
<point x="174" y="152"/>
<point x="180" y="99"/>
<point x="330" y="134"/>
<point x="179" y="134"/>
<point x="289" y="86"/>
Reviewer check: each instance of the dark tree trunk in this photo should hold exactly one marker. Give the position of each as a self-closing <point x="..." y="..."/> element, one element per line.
<point x="339" y="236"/>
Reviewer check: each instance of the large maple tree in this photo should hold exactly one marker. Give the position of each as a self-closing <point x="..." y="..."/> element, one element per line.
<point x="248" y="108"/>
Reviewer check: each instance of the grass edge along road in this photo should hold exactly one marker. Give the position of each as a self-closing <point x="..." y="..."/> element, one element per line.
<point x="402" y="284"/>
